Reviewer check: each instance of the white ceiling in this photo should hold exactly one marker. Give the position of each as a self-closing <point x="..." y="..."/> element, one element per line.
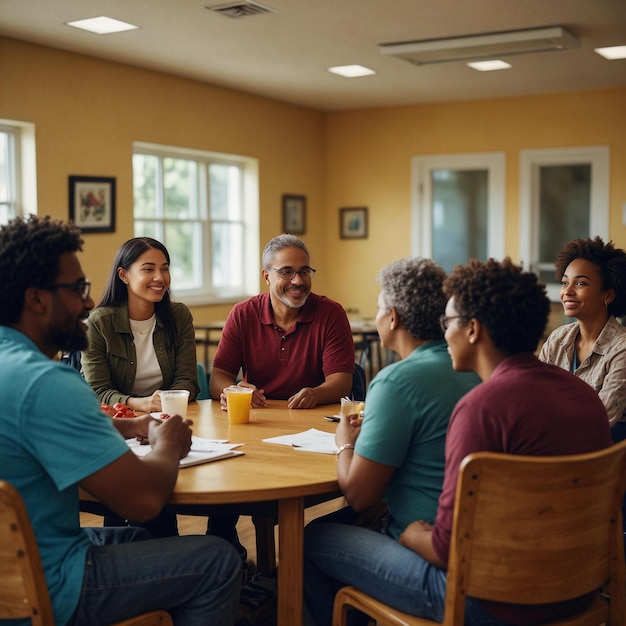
<point x="284" y="54"/>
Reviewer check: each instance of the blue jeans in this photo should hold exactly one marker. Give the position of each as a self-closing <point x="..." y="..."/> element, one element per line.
<point x="336" y="555"/>
<point x="197" y="579"/>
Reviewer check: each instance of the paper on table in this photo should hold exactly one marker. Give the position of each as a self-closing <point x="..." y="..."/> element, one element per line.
<point x="311" y="440"/>
<point x="202" y="450"/>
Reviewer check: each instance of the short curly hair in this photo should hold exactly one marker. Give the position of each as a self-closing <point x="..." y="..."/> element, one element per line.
<point x="610" y="261"/>
<point x="30" y="250"/>
<point x="511" y="304"/>
<point x="414" y="286"/>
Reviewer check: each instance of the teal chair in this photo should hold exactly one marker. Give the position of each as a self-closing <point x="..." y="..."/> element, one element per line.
<point x="203" y="381"/>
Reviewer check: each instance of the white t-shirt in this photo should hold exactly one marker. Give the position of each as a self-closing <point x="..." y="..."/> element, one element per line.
<point x="149" y="376"/>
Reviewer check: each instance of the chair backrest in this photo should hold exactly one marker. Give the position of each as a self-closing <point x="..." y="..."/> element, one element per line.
<point x="203" y="381"/>
<point x="359" y="384"/>
<point x="531" y="530"/>
<point x="23" y="588"/>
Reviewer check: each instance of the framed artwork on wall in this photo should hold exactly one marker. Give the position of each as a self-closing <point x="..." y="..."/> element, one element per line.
<point x="92" y="203"/>
<point x="294" y="214"/>
<point x="353" y="223"/>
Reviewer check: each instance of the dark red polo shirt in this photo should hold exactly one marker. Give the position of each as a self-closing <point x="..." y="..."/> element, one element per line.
<point x="282" y="363"/>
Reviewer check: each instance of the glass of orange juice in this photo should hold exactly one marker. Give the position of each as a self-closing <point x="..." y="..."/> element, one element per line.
<point x="238" y="400"/>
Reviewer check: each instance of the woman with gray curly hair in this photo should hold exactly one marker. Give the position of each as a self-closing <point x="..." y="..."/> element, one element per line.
<point x="593" y="291"/>
<point x="397" y="452"/>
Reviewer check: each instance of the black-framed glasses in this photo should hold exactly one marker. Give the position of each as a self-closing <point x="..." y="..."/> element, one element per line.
<point x="306" y="273"/>
<point x="81" y="287"/>
<point x="444" y="320"/>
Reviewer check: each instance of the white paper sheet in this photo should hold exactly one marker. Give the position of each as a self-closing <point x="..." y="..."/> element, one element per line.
<point x="202" y="450"/>
<point x="311" y="440"/>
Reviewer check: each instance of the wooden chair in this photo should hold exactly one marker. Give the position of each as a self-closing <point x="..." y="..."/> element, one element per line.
<point x="529" y="530"/>
<point x="23" y="588"/>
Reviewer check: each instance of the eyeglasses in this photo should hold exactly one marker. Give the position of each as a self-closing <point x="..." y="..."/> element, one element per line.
<point x="81" y="287"/>
<point x="306" y="273"/>
<point x="444" y="321"/>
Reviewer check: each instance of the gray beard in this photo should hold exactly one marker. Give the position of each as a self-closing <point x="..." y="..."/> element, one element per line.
<point x="290" y="304"/>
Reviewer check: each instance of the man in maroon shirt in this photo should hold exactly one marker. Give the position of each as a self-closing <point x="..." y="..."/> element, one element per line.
<point x="494" y="319"/>
<point x="290" y="343"/>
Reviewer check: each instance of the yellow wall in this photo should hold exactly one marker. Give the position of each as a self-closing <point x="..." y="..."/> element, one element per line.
<point x="88" y="112"/>
<point x="369" y="164"/>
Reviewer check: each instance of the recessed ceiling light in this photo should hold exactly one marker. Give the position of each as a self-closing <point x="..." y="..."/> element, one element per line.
<point x="351" y="71"/>
<point x="613" y="52"/>
<point x="489" y="66"/>
<point x="102" y="25"/>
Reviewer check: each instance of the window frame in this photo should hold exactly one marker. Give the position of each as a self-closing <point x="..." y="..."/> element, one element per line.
<point x="22" y="168"/>
<point x="530" y="162"/>
<point x="421" y="201"/>
<point x="207" y="294"/>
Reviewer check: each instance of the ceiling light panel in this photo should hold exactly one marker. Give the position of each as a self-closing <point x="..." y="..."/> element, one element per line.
<point x="351" y="71"/>
<point x="489" y="66"/>
<point x="484" y="46"/>
<point x="612" y="53"/>
<point x="102" y="25"/>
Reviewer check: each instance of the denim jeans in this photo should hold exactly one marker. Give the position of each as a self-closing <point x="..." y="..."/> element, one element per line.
<point x="336" y="555"/>
<point x="197" y="579"/>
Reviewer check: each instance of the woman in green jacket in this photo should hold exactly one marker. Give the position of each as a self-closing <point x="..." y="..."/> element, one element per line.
<point x="139" y="341"/>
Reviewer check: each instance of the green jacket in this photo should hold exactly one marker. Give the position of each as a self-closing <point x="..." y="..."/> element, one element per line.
<point x="109" y="364"/>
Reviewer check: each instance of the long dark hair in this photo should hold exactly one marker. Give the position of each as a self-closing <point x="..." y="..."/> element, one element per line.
<point x="116" y="292"/>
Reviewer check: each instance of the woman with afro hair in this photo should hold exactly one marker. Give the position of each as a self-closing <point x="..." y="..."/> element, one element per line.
<point x="593" y="348"/>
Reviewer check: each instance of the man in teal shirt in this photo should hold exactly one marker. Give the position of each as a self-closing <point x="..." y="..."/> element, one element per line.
<point x="54" y="439"/>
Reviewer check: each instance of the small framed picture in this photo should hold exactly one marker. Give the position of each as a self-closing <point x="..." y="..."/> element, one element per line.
<point x="353" y="223"/>
<point x="92" y="203"/>
<point x="294" y="214"/>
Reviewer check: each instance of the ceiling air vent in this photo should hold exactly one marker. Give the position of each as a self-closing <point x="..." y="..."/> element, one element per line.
<point x="240" y="9"/>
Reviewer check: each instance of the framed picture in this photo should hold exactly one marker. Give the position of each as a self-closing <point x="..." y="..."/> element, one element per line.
<point x="92" y="203"/>
<point x="294" y="214"/>
<point x="353" y="223"/>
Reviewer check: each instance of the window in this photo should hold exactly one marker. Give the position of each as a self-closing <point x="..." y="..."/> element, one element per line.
<point x="458" y="207"/>
<point x="204" y="207"/>
<point x="558" y="190"/>
<point x="18" y="191"/>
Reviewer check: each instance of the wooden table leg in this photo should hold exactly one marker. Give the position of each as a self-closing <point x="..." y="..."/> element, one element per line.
<point x="290" y="561"/>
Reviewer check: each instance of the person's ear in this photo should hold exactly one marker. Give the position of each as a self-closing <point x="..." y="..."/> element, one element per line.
<point x="474" y="329"/>
<point x="121" y="272"/>
<point x="393" y="318"/>
<point x="33" y="299"/>
<point x="610" y="296"/>
<point x="266" y="276"/>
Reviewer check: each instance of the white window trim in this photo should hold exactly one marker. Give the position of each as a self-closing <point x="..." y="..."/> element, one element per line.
<point x="530" y="162"/>
<point x="421" y="197"/>
<point x="251" y="218"/>
<point x="26" y="157"/>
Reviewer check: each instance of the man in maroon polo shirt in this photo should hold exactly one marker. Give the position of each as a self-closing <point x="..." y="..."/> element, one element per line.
<point x="290" y="344"/>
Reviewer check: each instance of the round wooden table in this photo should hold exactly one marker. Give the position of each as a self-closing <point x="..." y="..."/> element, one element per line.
<point x="269" y="479"/>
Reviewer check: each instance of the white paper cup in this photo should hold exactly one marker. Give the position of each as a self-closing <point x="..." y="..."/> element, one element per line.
<point x="174" y="402"/>
<point x="351" y="407"/>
